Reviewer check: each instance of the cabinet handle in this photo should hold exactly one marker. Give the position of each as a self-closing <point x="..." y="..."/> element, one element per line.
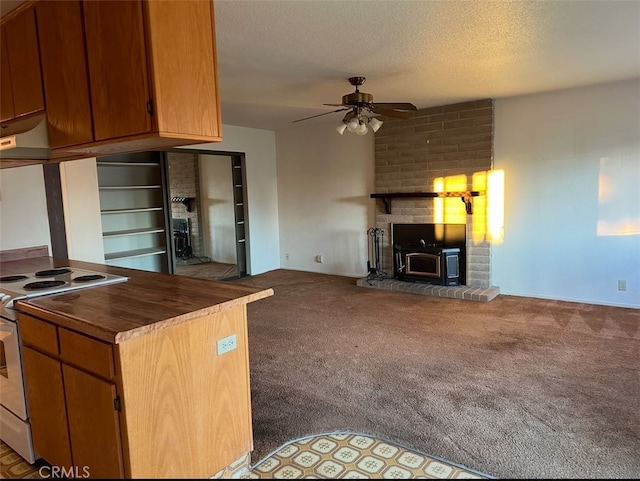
<point x="150" y="107"/>
<point x="116" y="404"/>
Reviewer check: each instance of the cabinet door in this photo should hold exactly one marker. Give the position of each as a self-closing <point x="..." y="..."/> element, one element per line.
<point x="94" y="425"/>
<point x="45" y="396"/>
<point x="64" y="72"/>
<point x="118" y="75"/>
<point x="24" y="63"/>
<point x="6" y="96"/>
<point x="183" y="69"/>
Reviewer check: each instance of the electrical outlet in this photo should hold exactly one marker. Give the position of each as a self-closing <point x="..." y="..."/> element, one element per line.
<point x="320" y="258"/>
<point x="227" y="344"/>
<point x="622" y="285"/>
<point x="286" y="256"/>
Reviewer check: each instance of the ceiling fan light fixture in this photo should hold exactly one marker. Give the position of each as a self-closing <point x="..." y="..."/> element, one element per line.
<point x="375" y="124"/>
<point x="361" y="107"/>
<point x="353" y="125"/>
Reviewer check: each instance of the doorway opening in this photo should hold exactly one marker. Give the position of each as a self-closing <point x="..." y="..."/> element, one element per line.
<point x="208" y="213"/>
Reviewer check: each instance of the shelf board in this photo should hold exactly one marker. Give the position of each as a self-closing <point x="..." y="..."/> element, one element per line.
<point x="119" y="233"/>
<point x="464" y="195"/>
<point x="152" y="251"/>
<point x="127" y="164"/>
<point x="128" y="211"/>
<point x="128" y="187"/>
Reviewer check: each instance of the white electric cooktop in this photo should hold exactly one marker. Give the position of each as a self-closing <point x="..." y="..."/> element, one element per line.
<point x="51" y="281"/>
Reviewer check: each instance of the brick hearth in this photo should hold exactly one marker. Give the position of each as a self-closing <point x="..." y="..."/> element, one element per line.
<point x="458" y="292"/>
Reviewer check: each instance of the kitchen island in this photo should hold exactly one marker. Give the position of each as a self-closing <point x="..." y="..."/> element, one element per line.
<point x="147" y="378"/>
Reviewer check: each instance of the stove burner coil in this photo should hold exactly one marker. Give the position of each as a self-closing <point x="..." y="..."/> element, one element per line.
<point x="43" y="284"/>
<point x="13" y="278"/>
<point x="87" y="278"/>
<point x="53" y="272"/>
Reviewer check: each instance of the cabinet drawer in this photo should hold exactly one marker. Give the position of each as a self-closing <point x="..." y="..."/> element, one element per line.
<point x="38" y="334"/>
<point x="90" y="354"/>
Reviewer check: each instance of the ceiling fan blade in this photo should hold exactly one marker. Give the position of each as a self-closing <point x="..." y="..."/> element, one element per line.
<point x="392" y="113"/>
<point x="395" y="105"/>
<point x="336" y="105"/>
<point x="325" y="113"/>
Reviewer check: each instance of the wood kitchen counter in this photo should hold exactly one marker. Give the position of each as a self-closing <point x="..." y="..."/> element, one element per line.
<point x="146" y="302"/>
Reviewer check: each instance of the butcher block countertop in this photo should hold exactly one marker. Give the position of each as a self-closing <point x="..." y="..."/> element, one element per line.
<point x="118" y="312"/>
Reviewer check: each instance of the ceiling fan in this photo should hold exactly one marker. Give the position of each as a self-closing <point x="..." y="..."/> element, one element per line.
<point x="359" y="104"/>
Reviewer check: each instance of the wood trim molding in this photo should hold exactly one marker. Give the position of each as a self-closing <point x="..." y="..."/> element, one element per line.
<point x="23" y="253"/>
<point x="17" y="11"/>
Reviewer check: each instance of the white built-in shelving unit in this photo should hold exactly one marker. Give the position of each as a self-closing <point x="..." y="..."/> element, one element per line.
<point x="133" y="209"/>
<point x="239" y="198"/>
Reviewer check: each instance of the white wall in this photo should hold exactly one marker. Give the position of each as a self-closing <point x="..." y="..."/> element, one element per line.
<point x="81" y="201"/>
<point x="217" y="208"/>
<point x="262" y="192"/>
<point x="324" y="186"/>
<point x="24" y="221"/>
<point x="572" y="206"/>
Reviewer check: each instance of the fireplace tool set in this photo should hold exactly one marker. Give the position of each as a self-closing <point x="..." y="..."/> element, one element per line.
<point x="375" y="264"/>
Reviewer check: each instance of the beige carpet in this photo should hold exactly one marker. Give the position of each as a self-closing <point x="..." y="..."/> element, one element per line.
<point x="516" y="387"/>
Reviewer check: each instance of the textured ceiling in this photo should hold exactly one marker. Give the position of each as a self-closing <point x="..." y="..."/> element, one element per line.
<point x="281" y="60"/>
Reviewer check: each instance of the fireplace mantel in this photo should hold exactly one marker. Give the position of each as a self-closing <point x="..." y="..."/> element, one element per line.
<point x="464" y="196"/>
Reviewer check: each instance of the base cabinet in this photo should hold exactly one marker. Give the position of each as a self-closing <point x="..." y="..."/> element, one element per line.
<point x="47" y="407"/>
<point x="164" y="404"/>
<point x="92" y="412"/>
<point x="74" y="414"/>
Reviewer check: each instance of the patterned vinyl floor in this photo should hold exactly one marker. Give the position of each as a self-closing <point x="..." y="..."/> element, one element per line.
<point x="354" y="456"/>
<point x="324" y="456"/>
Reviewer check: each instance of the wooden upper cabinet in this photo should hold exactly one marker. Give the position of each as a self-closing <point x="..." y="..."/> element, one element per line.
<point x="147" y="74"/>
<point x="20" y="39"/>
<point x="64" y="72"/>
<point x="117" y="68"/>
<point x="6" y="94"/>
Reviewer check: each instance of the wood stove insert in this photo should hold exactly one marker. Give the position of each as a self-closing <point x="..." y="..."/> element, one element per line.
<point x="429" y="253"/>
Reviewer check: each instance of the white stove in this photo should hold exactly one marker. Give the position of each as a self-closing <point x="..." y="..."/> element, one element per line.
<point x="50" y="281"/>
<point x="15" y="429"/>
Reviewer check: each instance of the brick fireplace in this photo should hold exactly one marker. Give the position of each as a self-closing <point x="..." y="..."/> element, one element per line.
<point x="441" y="149"/>
<point x="184" y="182"/>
